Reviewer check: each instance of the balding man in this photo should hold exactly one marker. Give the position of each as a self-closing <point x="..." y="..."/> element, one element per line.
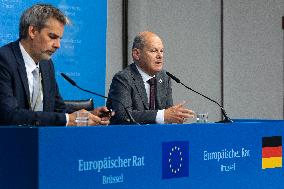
<point x="144" y="88"/>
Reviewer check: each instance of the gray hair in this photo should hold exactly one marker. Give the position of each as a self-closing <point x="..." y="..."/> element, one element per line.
<point x="37" y="16"/>
<point x="139" y="41"/>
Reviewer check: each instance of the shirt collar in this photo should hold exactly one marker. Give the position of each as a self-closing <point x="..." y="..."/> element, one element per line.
<point x="29" y="62"/>
<point x="144" y="75"/>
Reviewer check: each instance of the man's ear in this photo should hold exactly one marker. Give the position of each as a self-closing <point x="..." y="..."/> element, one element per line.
<point x="136" y="54"/>
<point x="32" y="31"/>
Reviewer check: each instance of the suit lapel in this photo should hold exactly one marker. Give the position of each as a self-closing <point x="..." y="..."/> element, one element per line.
<point x="22" y="69"/>
<point x="45" y="84"/>
<point x="139" y="84"/>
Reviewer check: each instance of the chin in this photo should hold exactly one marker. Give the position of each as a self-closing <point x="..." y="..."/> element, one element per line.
<point x="46" y="57"/>
<point x="158" y="69"/>
<point x="154" y="72"/>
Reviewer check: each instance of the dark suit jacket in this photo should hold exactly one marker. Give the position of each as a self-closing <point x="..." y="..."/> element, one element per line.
<point x="128" y="87"/>
<point x="15" y="106"/>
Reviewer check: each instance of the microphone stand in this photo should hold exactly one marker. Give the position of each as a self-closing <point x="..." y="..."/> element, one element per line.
<point x="226" y="118"/>
<point x="72" y="82"/>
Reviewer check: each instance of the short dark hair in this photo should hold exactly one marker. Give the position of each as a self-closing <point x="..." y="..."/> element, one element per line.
<point x="37" y="16"/>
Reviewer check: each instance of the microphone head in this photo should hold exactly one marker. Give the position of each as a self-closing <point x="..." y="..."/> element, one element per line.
<point x="173" y="77"/>
<point x="68" y="79"/>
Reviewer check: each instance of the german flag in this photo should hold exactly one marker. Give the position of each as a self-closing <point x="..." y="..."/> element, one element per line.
<point x="271" y="152"/>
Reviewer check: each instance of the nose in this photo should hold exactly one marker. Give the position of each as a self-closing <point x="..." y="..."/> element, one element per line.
<point x="56" y="43"/>
<point x="160" y="55"/>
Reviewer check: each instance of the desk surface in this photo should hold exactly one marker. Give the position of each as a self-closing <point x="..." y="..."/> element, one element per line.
<point x="199" y="156"/>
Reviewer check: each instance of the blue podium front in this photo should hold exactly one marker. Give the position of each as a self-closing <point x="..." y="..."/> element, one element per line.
<point x="245" y="154"/>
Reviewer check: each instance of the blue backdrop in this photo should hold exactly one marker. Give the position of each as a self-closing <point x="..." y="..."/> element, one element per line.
<point x="82" y="55"/>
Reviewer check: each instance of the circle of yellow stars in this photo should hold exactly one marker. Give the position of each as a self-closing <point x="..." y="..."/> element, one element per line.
<point x="178" y="164"/>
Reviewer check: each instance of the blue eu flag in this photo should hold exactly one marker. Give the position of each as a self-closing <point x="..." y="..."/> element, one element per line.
<point x="175" y="159"/>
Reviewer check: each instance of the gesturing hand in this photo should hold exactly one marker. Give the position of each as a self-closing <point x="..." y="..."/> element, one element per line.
<point x="177" y="114"/>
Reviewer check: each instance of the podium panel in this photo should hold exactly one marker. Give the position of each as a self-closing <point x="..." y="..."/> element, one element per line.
<point x="245" y="154"/>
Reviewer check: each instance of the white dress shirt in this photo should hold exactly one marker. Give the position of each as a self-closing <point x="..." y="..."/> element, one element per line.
<point x="30" y="66"/>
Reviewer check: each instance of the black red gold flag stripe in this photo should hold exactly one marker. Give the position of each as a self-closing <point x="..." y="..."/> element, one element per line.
<point x="271" y="152"/>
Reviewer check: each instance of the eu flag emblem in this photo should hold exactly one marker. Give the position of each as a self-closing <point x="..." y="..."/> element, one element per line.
<point x="175" y="162"/>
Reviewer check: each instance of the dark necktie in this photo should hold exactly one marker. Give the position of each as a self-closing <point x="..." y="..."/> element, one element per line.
<point x="152" y="83"/>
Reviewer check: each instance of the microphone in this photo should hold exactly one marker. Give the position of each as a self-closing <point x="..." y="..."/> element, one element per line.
<point x="72" y="82"/>
<point x="226" y="120"/>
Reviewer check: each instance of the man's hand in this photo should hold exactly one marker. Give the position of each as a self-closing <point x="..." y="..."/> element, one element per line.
<point x="93" y="117"/>
<point x="177" y="114"/>
<point x="104" y="113"/>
